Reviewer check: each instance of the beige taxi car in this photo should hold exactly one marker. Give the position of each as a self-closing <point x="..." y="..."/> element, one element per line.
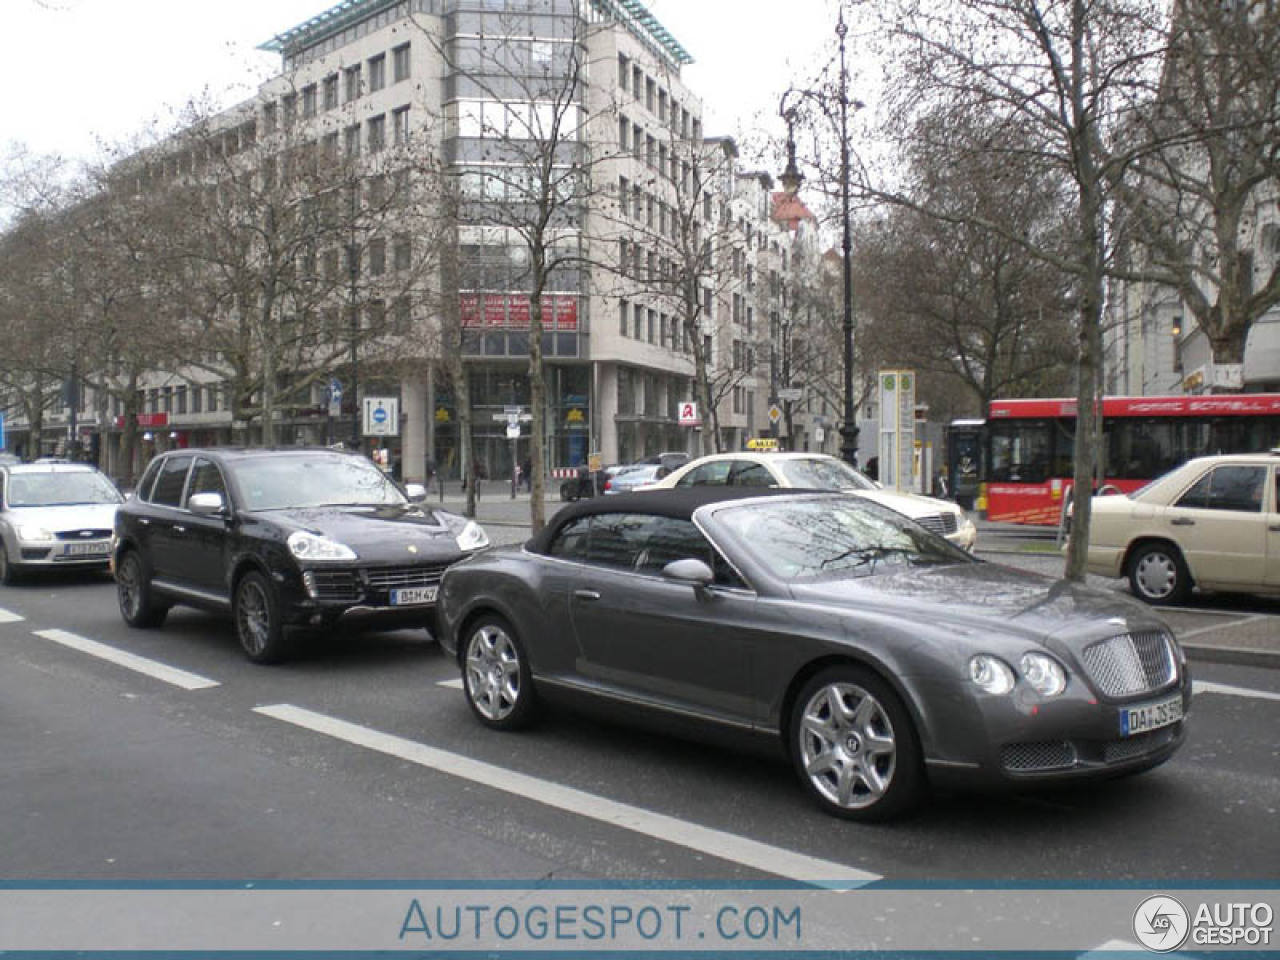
<point x="1212" y="523"/>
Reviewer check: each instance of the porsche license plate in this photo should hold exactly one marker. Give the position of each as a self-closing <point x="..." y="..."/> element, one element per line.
<point x="411" y="596"/>
<point x="1151" y="716"/>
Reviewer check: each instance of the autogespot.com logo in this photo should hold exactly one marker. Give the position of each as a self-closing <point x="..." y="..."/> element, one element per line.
<point x="1161" y="923"/>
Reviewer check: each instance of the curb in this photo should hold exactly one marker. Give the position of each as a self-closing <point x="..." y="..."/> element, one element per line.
<point x="1235" y="656"/>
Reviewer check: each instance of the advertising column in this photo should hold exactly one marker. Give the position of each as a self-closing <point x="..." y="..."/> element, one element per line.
<point x="897" y="427"/>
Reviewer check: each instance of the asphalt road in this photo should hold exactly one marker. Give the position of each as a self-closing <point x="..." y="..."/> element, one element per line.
<point x="357" y="761"/>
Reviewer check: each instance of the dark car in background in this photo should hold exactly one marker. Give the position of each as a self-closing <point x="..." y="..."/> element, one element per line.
<point x="54" y="516"/>
<point x="878" y="656"/>
<point x="281" y="538"/>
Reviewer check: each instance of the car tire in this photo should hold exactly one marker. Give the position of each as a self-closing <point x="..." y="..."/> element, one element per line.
<point x="1159" y="575"/>
<point x="259" y="625"/>
<point x="496" y="677"/>
<point x="138" y="605"/>
<point x="854" y="747"/>
<point x="10" y="572"/>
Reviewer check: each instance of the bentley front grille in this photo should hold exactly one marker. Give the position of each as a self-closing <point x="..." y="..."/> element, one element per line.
<point x="1131" y="664"/>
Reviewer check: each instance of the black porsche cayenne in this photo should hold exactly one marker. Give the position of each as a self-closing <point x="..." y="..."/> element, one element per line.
<point x="281" y="538"/>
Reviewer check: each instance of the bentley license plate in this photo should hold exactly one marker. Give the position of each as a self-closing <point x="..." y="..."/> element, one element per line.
<point x="1151" y="716"/>
<point x="409" y="596"/>
<point x="101" y="548"/>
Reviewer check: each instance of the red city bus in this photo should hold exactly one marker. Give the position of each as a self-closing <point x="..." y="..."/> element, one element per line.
<point x="1029" y="447"/>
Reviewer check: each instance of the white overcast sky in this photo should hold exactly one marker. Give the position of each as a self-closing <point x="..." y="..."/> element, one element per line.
<point x="76" y="70"/>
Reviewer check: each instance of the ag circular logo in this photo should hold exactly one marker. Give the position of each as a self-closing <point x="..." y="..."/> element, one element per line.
<point x="1161" y="923"/>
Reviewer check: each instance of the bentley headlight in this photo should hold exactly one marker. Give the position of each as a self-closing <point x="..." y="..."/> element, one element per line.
<point x="33" y="534"/>
<point x="1043" y="673"/>
<point x="472" y="537"/>
<point x="307" y="546"/>
<point x="991" y="674"/>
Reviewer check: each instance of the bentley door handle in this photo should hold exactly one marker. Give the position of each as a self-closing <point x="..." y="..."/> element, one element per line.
<point x="1274" y="528"/>
<point x="586" y="594"/>
<point x="179" y="528"/>
<point x="1182" y="522"/>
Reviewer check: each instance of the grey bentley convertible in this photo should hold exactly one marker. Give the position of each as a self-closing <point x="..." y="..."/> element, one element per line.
<point x="878" y="656"/>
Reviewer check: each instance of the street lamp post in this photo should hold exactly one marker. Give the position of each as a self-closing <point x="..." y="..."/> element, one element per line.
<point x="791" y="180"/>
<point x="849" y="429"/>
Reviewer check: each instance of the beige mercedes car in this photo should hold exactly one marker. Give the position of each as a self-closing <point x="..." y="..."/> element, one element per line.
<point x="1213" y="523"/>
<point x="818" y="471"/>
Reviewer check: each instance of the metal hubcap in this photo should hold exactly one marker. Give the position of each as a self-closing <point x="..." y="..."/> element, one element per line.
<point x="1157" y="575"/>
<point x="493" y="672"/>
<point x="847" y="745"/>
<point x="127" y="580"/>
<point x="254" y="617"/>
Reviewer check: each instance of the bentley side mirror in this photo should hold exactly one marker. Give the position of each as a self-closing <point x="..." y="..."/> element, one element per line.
<point x="691" y="571"/>
<point x="416" y="492"/>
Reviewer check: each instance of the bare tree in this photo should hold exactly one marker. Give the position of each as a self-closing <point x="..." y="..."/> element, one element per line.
<point x="1194" y="204"/>
<point x="1068" y="79"/>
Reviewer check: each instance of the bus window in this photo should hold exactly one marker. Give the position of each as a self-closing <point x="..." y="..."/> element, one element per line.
<point x="1020" y="452"/>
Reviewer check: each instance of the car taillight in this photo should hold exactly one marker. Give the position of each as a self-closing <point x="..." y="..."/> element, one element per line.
<point x="608" y="484"/>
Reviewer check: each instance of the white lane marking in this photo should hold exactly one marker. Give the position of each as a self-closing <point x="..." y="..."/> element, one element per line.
<point x="7" y="616"/>
<point x="725" y="846"/>
<point x="454" y="684"/>
<point x="130" y="661"/>
<point x="1205" y="686"/>
<point x="1209" y="629"/>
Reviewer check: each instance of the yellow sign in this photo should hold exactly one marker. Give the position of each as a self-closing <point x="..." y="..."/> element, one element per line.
<point x="762" y="443"/>
<point x="595" y="462"/>
<point x="575" y="416"/>
<point x="442" y="415"/>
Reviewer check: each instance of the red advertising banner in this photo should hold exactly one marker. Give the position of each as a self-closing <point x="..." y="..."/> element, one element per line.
<point x="470" y="309"/>
<point x="495" y="310"/>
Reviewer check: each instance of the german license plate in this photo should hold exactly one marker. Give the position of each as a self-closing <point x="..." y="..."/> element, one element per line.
<point x="1151" y="716"/>
<point x="410" y="596"/>
<point x="96" y="549"/>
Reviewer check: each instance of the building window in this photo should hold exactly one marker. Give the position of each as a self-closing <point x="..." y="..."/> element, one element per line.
<point x="331" y="92"/>
<point x="197" y="399"/>
<point x="352" y="75"/>
<point x="403" y="253"/>
<point x="624" y="129"/>
<point x="650" y="93"/>
<point x="623" y="308"/>
<point x="289" y="110"/>
<point x="377" y="72"/>
<point x="400" y="125"/>
<point x="651" y="326"/>
<point x="269" y="121"/>
<point x="624" y="196"/>
<point x="624" y="71"/>
<point x="401" y="317"/>
<point x="309" y="100"/>
<point x="329" y="146"/>
<point x="637" y="81"/>
<point x="400" y="63"/>
<point x="377" y="257"/>
<point x="352" y="139"/>
<point x="637" y="321"/>
<point x="182" y="399"/>
<point x="662" y="105"/>
<point x="377" y="133"/>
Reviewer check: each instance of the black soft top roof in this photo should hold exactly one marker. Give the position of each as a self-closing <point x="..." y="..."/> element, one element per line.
<point x="679" y="503"/>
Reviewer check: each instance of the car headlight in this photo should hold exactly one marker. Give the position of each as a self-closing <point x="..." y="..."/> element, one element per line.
<point x="1043" y="673"/>
<point x="991" y="674"/>
<point x="472" y="537"/>
<point x="307" y="546"/>
<point x="32" y="534"/>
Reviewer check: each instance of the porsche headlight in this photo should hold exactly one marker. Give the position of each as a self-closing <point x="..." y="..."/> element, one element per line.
<point x="1044" y="674"/>
<point x="472" y="537"/>
<point x="991" y="674"/>
<point x="308" y="546"/>
<point x="34" y="534"/>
